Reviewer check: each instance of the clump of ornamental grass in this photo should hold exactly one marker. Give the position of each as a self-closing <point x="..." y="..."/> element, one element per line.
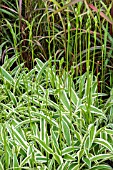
<point x="56" y="85"/>
<point x="49" y="122"/>
<point x="77" y="31"/>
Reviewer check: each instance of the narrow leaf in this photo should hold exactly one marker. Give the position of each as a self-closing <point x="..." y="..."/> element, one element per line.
<point x="101" y="13"/>
<point x="1" y="166"/>
<point x="43" y="144"/>
<point x="13" y="98"/>
<point x="19" y="138"/>
<point x="58" y="158"/>
<point x="87" y="161"/>
<point x="104" y="143"/>
<point x="92" y="133"/>
<point x="64" y="99"/>
<point x="15" y="162"/>
<point x="66" y="132"/>
<point x="101" y="156"/>
<point x="7" y="76"/>
<point x="68" y="150"/>
<point x="101" y="167"/>
<point x="65" y="6"/>
<point x="25" y="160"/>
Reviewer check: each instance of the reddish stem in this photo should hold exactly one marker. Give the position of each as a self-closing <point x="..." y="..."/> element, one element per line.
<point x="111" y="26"/>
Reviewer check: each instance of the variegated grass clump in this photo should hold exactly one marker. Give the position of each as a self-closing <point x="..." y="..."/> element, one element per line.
<point x="47" y="122"/>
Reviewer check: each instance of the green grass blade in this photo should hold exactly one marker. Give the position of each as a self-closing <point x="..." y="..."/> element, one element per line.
<point x="58" y="158"/>
<point x="19" y="138"/>
<point x="15" y="162"/>
<point x="101" y="167"/>
<point x="64" y="99"/>
<point x="101" y="157"/>
<point x="25" y="161"/>
<point x="43" y="145"/>
<point x="92" y="133"/>
<point x="13" y="98"/>
<point x="68" y="150"/>
<point x="7" y="76"/>
<point x="66" y="132"/>
<point x="42" y="70"/>
<point x="104" y="143"/>
<point x="1" y="166"/>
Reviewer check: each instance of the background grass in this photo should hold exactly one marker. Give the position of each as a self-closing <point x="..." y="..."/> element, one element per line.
<point x="56" y="85"/>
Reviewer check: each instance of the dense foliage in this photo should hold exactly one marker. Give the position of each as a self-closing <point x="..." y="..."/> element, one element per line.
<point x="56" y="78"/>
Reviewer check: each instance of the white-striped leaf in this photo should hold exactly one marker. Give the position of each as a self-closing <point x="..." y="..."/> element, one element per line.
<point x="104" y="143"/>
<point x="7" y="76"/>
<point x="19" y="138"/>
<point x="87" y="161"/>
<point x="13" y="98"/>
<point x="68" y="150"/>
<point x="68" y="157"/>
<point x="58" y="158"/>
<point x="101" y="167"/>
<point x="25" y="161"/>
<point x="66" y="132"/>
<point x="55" y="142"/>
<point x="109" y="131"/>
<point x="101" y="156"/>
<point x="15" y="162"/>
<point x="92" y="133"/>
<point x="1" y="166"/>
<point x="40" y="159"/>
<point x="64" y="100"/>
<point x="43" y="129"/>
<point x="43" y="145"/>
<point x="42" y="70"/>
<point x="74" y="98"/>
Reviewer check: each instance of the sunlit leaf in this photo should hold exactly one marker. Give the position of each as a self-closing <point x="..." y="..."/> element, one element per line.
<point x="7" y="76"/>
<point x="101" y="156"/>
